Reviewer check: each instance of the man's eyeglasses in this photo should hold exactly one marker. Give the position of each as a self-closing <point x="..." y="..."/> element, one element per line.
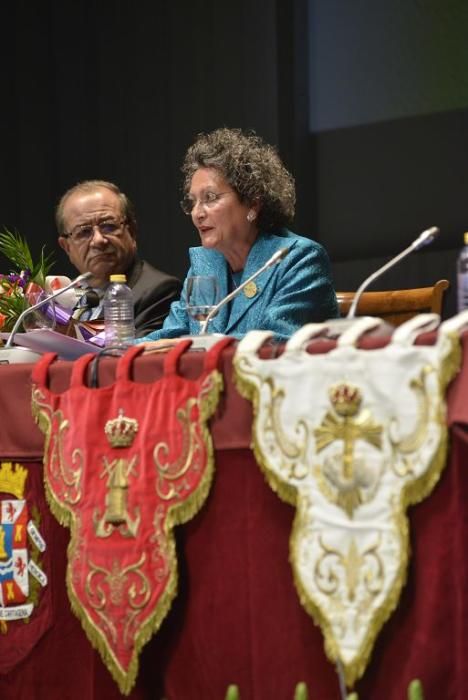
<point x="106" y="228"/>
<point x="207" y="199"/>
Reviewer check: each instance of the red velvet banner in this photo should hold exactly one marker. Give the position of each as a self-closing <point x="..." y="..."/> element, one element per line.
<point x="123" y="465"/>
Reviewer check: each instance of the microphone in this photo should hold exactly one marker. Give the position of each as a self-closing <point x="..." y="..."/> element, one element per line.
<point x="424" y="238"/>
<point x="275" y="258"/>
<point x="75" y="283"/>
<point x="89" y="300"/>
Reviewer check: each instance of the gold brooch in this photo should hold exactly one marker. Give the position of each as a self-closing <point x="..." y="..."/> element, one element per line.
<point x="250" y="290"/>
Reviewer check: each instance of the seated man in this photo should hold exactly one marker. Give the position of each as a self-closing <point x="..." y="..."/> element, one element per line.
<point x="97" y="229"/>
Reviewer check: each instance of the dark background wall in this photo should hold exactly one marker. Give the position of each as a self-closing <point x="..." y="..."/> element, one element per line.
<point x="388" y="121"/>
<point x="117" y="90"/>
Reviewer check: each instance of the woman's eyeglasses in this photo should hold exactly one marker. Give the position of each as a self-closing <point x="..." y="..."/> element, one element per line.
<point x="207" y="200"/>
<point x="106" y="228"/>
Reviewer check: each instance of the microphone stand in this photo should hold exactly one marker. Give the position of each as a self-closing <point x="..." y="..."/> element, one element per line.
<point x="275" y="258"/>
<point x="75" y="283"/>
<point x="423" y="239"/>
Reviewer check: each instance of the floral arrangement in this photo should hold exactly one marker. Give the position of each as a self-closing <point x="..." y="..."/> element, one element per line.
<point x="25" y="279"/>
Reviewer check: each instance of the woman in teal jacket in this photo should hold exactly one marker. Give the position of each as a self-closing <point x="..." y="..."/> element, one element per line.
<point x="241" y="198"/>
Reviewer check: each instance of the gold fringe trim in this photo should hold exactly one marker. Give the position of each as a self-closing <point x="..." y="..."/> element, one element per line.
<point x="249" y="390"/>
<point x="413" y="493"/>
<point x="126" y="679"/>
<point x="41" y="413"/>
<point x="176" y="515"/>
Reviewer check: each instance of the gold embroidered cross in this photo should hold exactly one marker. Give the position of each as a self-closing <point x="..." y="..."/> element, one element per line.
<point x="342" y="425"/>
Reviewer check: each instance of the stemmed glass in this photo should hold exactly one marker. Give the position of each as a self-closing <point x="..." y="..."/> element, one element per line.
<point x="44" y="317"/>
<point x="202" y="296"/>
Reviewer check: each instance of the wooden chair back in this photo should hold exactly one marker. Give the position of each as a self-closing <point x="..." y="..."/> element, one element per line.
<point x="398" y="305"/>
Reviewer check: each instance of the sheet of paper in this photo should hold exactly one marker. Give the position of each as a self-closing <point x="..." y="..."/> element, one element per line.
<point x="44" y="340"/>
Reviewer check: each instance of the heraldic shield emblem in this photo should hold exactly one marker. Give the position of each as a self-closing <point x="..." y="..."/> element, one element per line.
<point x="123" y="464"/>
<point x="22" y="576"/>
<point x="17" y="531"/>
<point x="351" y="438"/>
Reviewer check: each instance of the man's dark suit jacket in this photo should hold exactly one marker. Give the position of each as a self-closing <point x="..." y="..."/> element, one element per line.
<point x="153" y="293"/>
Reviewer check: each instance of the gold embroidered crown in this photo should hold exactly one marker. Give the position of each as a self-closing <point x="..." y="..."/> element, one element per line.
<point x="121" y="431"/>
<point x="345" y="399"/>
<point x="13" y="480"/>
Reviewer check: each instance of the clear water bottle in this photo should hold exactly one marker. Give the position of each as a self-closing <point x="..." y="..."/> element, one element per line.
<point x="119" y="323"/>
<point x="462" y="276"/>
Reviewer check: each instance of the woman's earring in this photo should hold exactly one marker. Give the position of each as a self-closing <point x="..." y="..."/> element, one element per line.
<point x="251" y="216"/>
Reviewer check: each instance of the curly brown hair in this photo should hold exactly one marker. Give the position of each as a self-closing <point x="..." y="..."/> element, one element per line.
<point x="252" y="167"/>
<point x="89" y="186"/>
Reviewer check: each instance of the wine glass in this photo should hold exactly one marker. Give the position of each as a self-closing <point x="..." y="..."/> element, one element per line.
<point x="202" y="296"/>
<point x="44" y="317"/>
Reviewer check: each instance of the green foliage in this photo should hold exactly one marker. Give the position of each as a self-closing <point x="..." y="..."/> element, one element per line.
<point x="11" y="306"/>
<point x="415" y="690"/>
<point x="301" y="692"/>
<point x="14" y="284"/>
<point x="232" y="693"/>
<point x="15" y="248"/>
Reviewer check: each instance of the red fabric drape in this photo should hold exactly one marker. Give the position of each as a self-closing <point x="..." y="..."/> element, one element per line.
<point x="123" y="465"/>
<point x="237" y="618"/>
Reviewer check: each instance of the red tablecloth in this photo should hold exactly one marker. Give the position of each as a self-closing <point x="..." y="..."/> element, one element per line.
<point x="237" y="618"/>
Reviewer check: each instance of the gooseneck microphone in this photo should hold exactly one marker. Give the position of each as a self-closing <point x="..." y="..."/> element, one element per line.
<point x="275" y="258"/>
<point x="90" y="300"/>
<point x="75" y="283"/>
<point x="425" y="238"/>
